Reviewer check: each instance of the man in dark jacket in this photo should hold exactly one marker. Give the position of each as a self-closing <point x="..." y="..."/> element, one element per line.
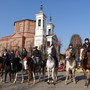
<point x="87" y="45"/>
<point x="12" y="55"/>
<point x="36" y="55"/>
<point x="36" y="52"/>
<point x="54" y="54"/>
<point x="5" y="56"/>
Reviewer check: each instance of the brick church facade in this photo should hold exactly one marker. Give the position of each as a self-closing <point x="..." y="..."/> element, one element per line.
<point x="24" y="32"/>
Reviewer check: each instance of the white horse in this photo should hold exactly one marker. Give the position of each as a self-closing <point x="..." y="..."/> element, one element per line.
<point x="50" y="64"/>
<point x="70" y="66"/>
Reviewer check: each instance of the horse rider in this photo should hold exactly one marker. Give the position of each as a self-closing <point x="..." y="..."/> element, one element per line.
<point x="54" y="55"/>
<point x="24" y="53"/>
<point x="36" y="55"/>
<point x="87" y="44"/>
<point x="17" y="53"/>
<point x="73" y="53"/>
<point x="5" y="55"/>
<point x="12" y="55"/>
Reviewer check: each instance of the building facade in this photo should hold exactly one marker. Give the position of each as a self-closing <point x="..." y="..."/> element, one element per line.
<point x="23" y="37"/>
<point x="29" y="33"/>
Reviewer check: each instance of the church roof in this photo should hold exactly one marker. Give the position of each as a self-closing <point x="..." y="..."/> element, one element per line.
<point x="25" y="20"/>
<point x="50" y="35"/>
<point x="7" y="37"/>
<point x="53" y="36"/>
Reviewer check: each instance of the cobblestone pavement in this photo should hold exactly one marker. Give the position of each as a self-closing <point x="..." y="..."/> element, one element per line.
<point x="42" y="85"/>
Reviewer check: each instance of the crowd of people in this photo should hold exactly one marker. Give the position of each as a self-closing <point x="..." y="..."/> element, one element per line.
<point x="11" y="54"/>
<point x="86" y="45"/>
<point x="36" y="53"/>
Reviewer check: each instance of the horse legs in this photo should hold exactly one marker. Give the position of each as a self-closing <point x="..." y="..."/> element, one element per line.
<point x="56" y="71"/>
<point x="10" y="76"/>
<point x="85" y="75"/>
<point x="22" y="77"/>
<point x="5" y="76"/>
<point x="43" y="72"/>
<point x="73" y="76"/>
<point x="48" y="75"/>
<point x="2" y="75"/>
<point x="29" y="74"/>
<point x="67" y="74"/>
<point x="89" y="77"/>
<point x="53" y="74"/>
<point x="39" y="75"/>
<point x="33" y="77"/>
<point x="15" y="78"/>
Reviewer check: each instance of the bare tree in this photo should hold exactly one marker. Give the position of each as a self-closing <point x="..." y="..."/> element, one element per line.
<point x="76" y="41"/>
<point x="44" y="51"/>
<point x="60" y="44"/>
<point x="59" y="48"/>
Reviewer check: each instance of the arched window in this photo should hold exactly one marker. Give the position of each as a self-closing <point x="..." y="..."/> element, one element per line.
<point x="39" y="22"/>
<point x="49" y="31"/>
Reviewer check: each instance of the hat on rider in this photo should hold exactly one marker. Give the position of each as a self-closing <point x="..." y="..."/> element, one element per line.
<point x="5" y="50"/>
<point x="86" y="39"/>
<point x="35" y="47"/>
<point x="70" y="45"/>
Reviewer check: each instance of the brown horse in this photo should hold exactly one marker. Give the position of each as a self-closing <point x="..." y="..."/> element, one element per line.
<point x="85" y="62"/>
<point x="28" y="65"/>
<point x="33" y="68"/>
<point x="1" y="68"/>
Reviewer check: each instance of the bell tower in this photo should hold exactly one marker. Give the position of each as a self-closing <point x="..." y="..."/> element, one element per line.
<point x="50" y="27"/>
<point x="40" y="31"/>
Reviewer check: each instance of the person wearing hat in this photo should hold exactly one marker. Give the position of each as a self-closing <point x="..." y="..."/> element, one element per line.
<point x="54" y="54"/>
<point x="87" y="44"/>
<point x="73" y="53"/>
<point x="36" y="52"/>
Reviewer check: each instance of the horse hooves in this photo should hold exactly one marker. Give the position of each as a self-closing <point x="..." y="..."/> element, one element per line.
<point x="75" y="82"/>
<point x="85" y="86"/>
<point x="48" y="82"/>
<point x="5" y="82"/>
<point x="28" y="83"/>
<point x="65" y="83"/>
<point x="34" y="83"/>
<point x="54" y="83"/>
<point x="1" y="81"/>
<point x="22" y="82"/>
<point x="14" y="82"/>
